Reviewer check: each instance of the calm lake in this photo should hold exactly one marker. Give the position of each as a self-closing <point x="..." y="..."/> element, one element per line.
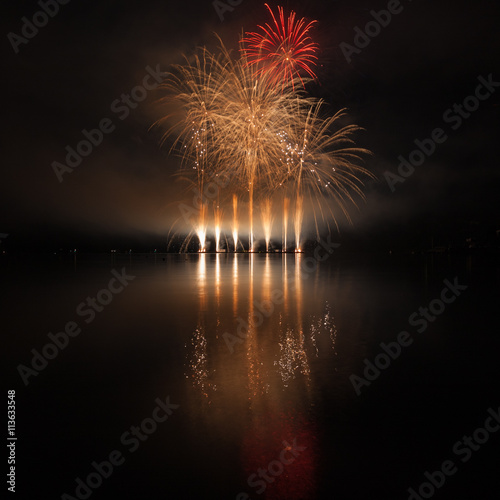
<point x="275" y="364"/>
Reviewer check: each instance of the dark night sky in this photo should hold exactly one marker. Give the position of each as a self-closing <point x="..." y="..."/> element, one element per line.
<point x="67" y="76"/>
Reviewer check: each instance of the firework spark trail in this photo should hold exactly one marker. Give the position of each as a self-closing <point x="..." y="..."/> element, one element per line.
<point x="201" y="229"/>
<point x="299" y="214"/>
<point x="286" y="207"/>
<point x="267" y="221"/>
<point x="235" y="222"/>
<point x="218" y="223"/>
<point x="250" y="215"/>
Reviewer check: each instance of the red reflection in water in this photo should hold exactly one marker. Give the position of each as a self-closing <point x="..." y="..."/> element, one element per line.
<point x="263" y="456"/>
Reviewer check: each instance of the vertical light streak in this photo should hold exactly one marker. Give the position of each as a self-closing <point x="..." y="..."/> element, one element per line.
<point x="299" y="214"/>
<point x="235" y="222"/>
<point x="286" y="207"/>
<point x="267" y="221"/>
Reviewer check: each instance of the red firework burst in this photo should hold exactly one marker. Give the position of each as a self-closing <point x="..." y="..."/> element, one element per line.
<point x="284" y="48"/>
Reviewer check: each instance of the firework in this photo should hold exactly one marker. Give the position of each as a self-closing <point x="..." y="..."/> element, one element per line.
<point x="273" y="142"/>
<point x="267" y="220"/>
<point x="283" y="48"/>
<point x="218" y="223"/>
<point x="201" y="227"/>
<point x="299" y="214"/>
<point x="286" y="205"/>
<point x="230" y="124"/>
<point x="235" y="222"/>
<point x="323" y="165"/>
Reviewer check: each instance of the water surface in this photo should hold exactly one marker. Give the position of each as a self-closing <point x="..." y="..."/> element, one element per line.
<point x="258" y="352"/>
